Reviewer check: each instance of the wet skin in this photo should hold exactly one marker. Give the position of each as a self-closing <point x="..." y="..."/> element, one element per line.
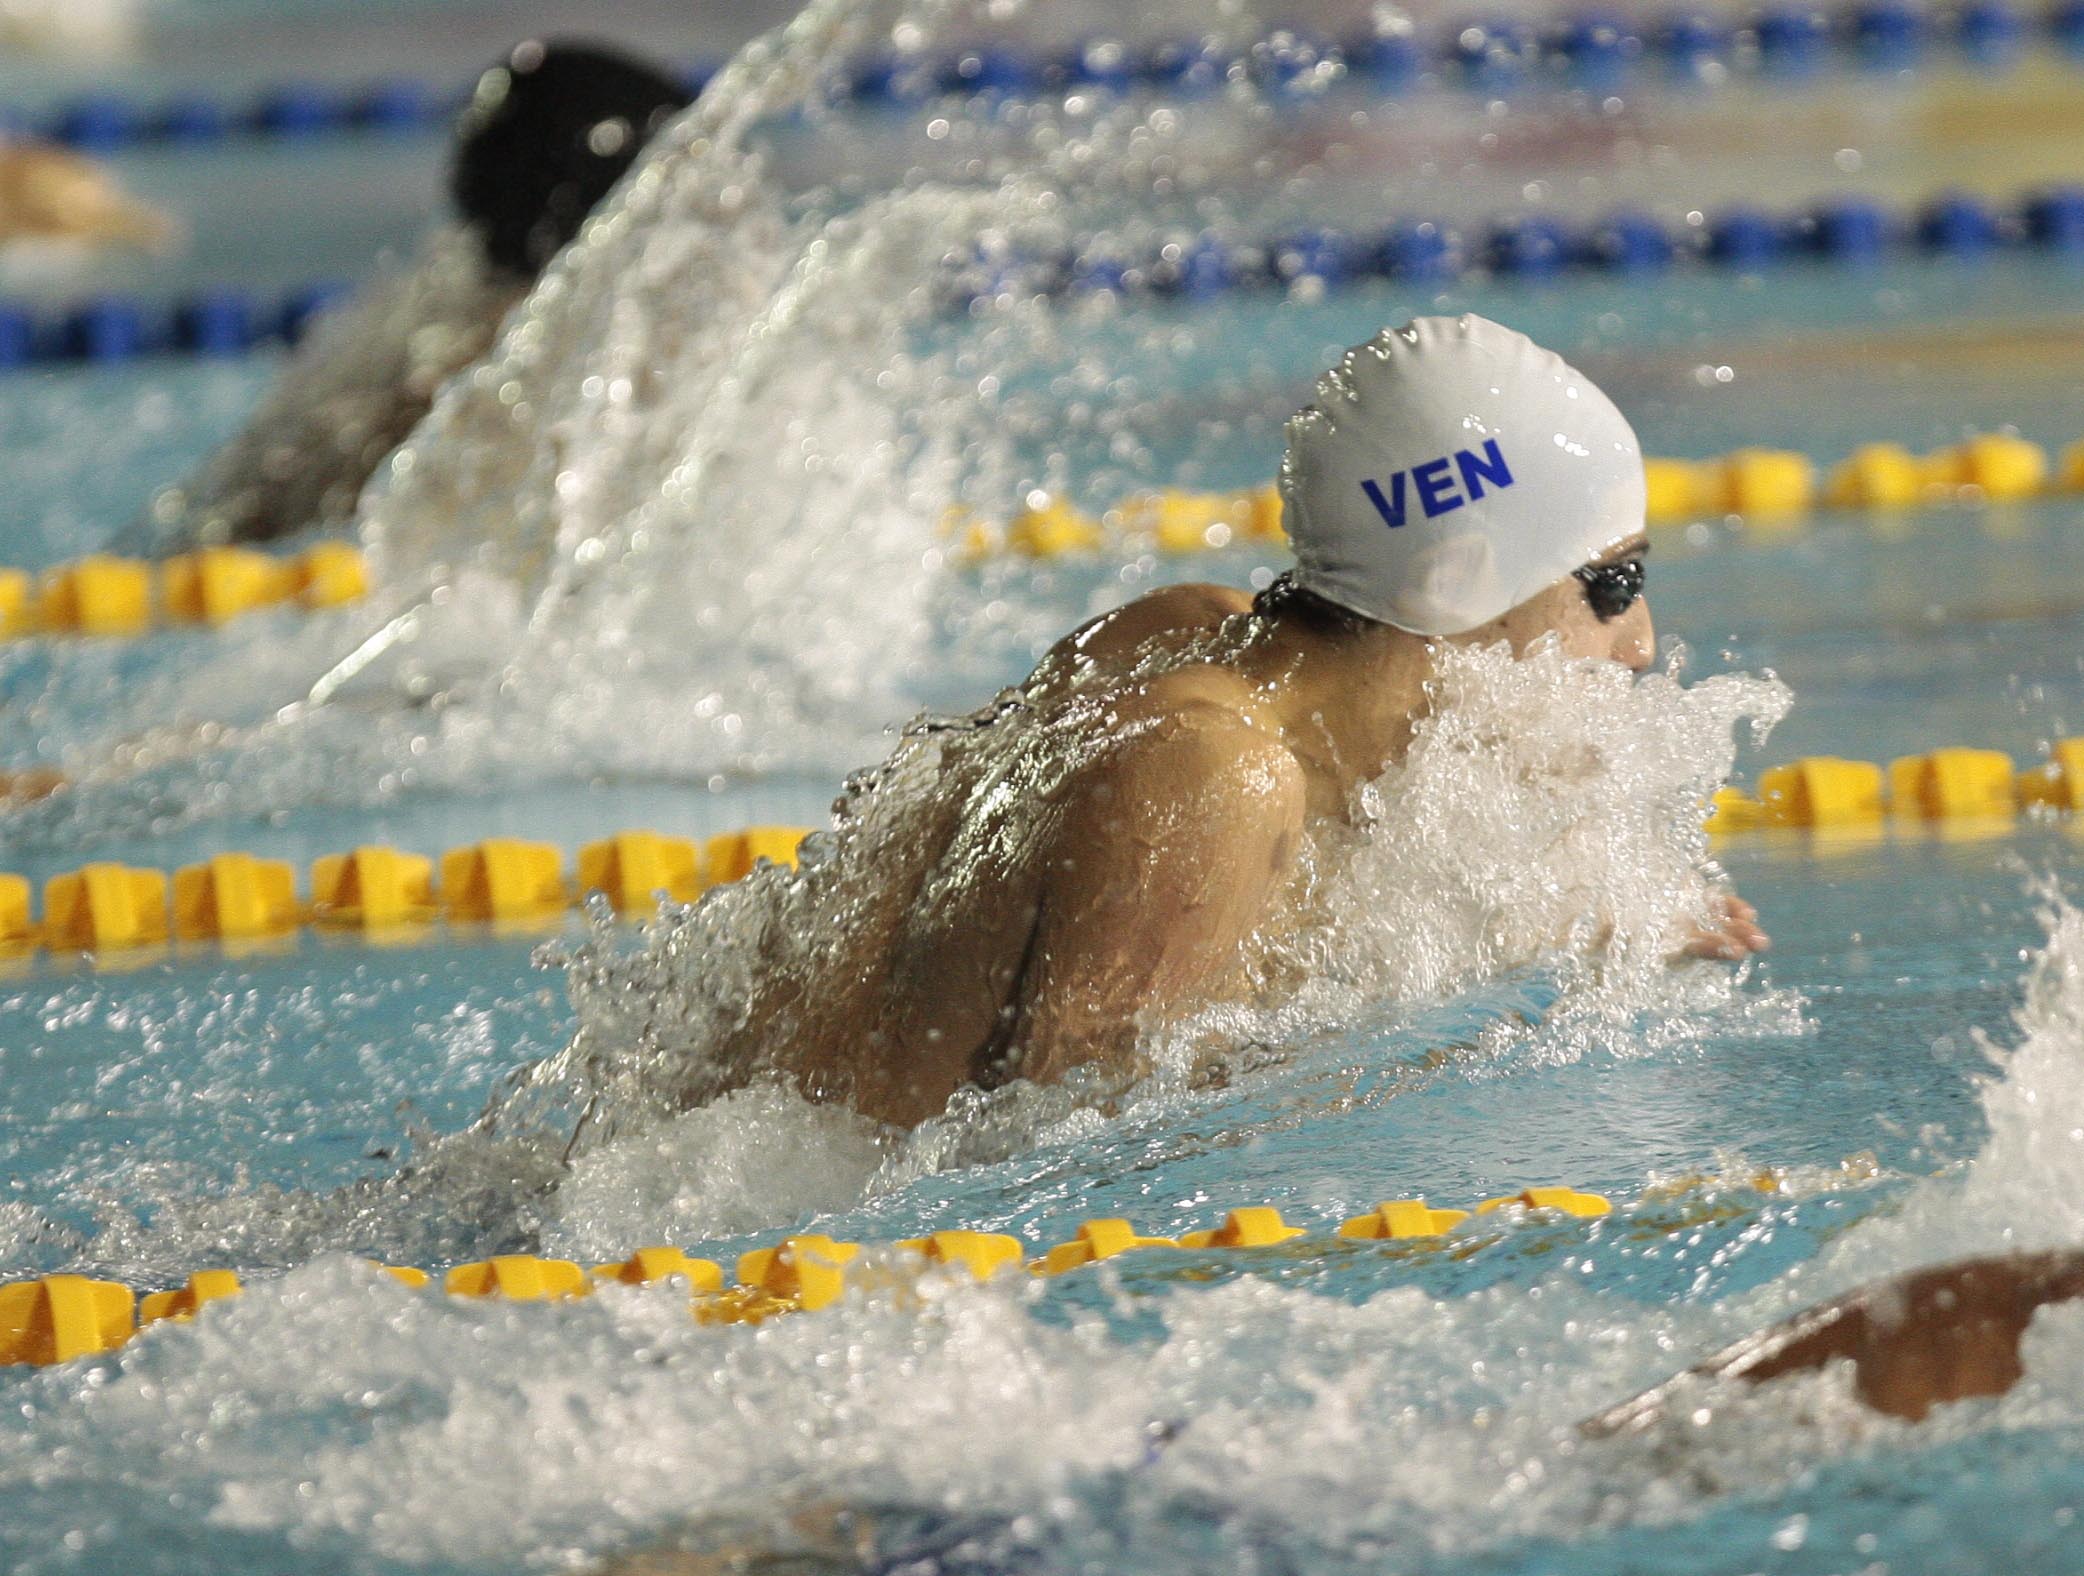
<point x="1948" y="1333"/>
<point x="1031" y="918"/>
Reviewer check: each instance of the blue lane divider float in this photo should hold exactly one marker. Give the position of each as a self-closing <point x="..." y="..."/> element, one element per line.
<point x="1592" y="49"/>
<point x="114" y="328"/>
<point x="1849" y="232"/>
<point x="1846" y="231"/>
<point x="111" y="122"/>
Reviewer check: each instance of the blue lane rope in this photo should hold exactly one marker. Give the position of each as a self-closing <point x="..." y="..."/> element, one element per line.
<point x="110" y="329"/>
<point x="1849" y="232"/>
<point x="111" y="122"/>
<point x="1590" y="50"/>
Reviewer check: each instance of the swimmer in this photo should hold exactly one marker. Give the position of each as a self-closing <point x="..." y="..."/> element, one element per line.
<point x="50" y="195"/>
<point x="1103" y="848"/>
<point x="1113" y="863"/>
<point x="548" y="133"/>
<point x="1914" y="1341"/>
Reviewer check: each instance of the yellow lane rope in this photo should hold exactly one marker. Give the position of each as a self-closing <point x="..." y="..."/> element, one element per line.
<point x="117" y="597"/>
<point x="1758" y="486"/>
<point x="57" y="1318"/>
<point x="390" y="894"/>
<point x="1976" y="790"/>
<point x="381" y="892"/>
<point x="386" y="892"/>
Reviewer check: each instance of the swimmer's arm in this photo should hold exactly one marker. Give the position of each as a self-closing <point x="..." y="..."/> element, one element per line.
<point x="1167" y="610"/>
<point x="1914" y="1341"/>
<point x="1165" y="861"/>
<point x="49" y="192"/>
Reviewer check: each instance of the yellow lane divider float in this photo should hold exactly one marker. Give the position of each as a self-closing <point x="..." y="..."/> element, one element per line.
<point x="1754" y="484"/>
<point x="374" y="889"/>
<point x="100" y="595"/>
<point x="508" y="881"/>
<point x="104" y="596"/>
<point x="1775" y="484"/>
<point x="382" y="891"/>
<point x="57" y="1318"/>
<point x="1954" y="786"/>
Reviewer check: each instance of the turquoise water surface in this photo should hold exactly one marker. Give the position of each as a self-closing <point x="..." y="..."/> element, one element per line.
<point x="1839" y="1109"/>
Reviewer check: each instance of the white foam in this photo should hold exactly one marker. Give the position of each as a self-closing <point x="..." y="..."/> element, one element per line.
<point x="705" y="449"/>
<point x="755" y="1157"/>
<point x="709" y="456"/>
<point x="496" y="1431"/>
<point x="333" y="1407"/>
<point x="1547" y="811"/>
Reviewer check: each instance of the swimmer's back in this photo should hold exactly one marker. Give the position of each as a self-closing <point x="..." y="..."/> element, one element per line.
<point x="923" y="992"/>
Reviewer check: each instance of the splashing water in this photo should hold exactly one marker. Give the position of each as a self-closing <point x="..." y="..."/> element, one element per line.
<point x="344" y="400"/>
<point x="2020" y="1190"/>
<point x="1546" y="818"/>
<point x="1548" y="813"/>
<point x="704" y="458"/>
<point x="684" y="518"/>
<point x="1247" y="1416"/>
<point x="711" y="449"/>
<point x="333" y="1413"/>
<point x="1546" y="807"/>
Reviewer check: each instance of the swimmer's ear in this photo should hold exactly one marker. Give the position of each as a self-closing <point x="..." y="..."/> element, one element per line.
<point x="549" y="131"/>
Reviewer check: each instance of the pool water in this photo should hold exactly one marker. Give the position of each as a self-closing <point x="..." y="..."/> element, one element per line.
<point x="1895" y="1083"/>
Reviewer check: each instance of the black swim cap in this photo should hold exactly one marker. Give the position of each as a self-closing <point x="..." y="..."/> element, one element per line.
<point x="549" y="130"/>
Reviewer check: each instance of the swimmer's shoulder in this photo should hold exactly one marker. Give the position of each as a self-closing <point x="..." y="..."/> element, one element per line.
<point x="1170" y="615"/>
<point x="1195" y="602"/>
<point x="1205" y="697"/>
<point x="1181" y="610"/>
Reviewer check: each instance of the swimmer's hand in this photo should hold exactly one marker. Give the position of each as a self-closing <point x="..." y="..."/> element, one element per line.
<point x="1731" y="934"/>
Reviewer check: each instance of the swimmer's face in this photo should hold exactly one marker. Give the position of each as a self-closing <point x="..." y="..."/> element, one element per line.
<point x="1598" y="612"/>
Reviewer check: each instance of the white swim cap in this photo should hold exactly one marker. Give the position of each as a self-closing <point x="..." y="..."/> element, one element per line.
<point x="1450" y="470"/>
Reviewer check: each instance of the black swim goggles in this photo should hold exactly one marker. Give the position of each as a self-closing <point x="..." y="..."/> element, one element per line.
<point x="1612" y="589"/>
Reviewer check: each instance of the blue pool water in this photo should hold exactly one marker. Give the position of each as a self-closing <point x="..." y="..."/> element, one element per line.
<point x="1896" y="1082"/>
